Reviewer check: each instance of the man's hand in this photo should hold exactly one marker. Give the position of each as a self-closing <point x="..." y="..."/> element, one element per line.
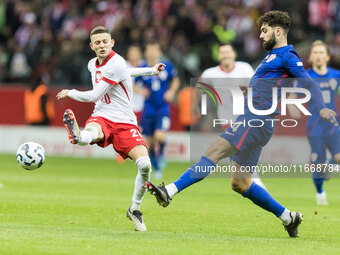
<point x="329" y="115"/>
<point x="63" y="94"/>
<point x="159" y="67"/>
<point x="144" y="92"/>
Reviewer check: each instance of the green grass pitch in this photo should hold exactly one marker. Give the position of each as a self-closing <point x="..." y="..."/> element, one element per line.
<point x="78" y="206"/>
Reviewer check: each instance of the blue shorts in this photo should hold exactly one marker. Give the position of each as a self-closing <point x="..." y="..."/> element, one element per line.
<point x="150" y="124"/>
<point x="249" y="134"/>
<point x="319" y="144"/>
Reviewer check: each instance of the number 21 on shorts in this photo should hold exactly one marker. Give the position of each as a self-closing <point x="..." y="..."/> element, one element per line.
<point x="136" y="134"/>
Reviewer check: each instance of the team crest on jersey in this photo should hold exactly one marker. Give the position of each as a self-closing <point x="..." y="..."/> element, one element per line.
<point x="98" y="76"/>
<point x="333" y="83"/>
<point x="271" y="57"/>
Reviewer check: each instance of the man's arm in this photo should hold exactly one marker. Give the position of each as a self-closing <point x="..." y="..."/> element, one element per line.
<point x="170" y="93"/>
<point x="146" y="71"/>
<point x="295" y="67"/>
<point x="93" y="95"/>
<point x="316" y="96"/>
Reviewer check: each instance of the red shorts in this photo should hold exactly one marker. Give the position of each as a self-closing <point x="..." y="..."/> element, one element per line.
<point x="122" y="136"/>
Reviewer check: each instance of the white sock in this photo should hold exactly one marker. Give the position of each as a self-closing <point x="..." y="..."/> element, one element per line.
<point x="144" y="172"/>
<point x="135" y="206"/>
<point x="88" y="135"/>
<point x="285" y="217"/>
<point x="256" y="178"/>
<point x="171" y="189"/>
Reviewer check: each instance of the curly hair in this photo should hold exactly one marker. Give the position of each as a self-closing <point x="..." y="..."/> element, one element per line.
<point x="275" y="18"/>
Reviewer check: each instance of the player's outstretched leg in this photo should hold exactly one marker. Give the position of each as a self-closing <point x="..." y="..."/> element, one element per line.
<point x="84" y="137"/>
<point x="71" y="126"/>
<point x="296" y="219"/>
<point x="144" y="171"/>
<point x="255" y="177"/>
<point x="195" y="173"/>
<point x="241" y="183"/>
<point x="160" y="192"/>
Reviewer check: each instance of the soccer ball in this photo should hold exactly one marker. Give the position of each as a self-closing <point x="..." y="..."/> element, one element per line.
<point x="31" y="155"/>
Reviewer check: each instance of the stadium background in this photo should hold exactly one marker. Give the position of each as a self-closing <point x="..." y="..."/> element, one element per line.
<point x="49" y="39"/>
<point x="77" y="205"/>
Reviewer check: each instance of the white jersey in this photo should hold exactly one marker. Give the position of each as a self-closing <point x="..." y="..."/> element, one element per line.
<point x="112" y="90"/>
<point x="221" y="79"/>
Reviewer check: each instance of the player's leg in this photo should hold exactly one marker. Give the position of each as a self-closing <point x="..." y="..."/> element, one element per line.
<point x="128" y="142"/>
<point x="226" y="145"/>
<point x="139" y="155"/>
<point x="241" y="183"/>
<point x="162" y="126"/>
<point x="92" y="133"/>
<point x="159" y="138"/>
<point x="148" y="125"/>
<point x="318" y="156"/>
<point x="218" y="150"/>
<point x="255" y="177"/>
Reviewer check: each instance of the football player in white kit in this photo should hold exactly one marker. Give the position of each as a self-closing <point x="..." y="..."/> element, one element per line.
<point x="228" y="73"/>
<point x="112" y="121"/>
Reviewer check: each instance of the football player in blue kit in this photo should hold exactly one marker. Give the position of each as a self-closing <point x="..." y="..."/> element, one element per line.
<point x="243" y="143"/>
<point x="160" y="92"/>
<point x="321" y="133"/>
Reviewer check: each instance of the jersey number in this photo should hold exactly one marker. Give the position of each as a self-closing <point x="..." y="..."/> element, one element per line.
<point x="106" y="99"/>
<point x="326" y="96"/>
<point x="135" y="133"/>
<point x="155" y="85"/>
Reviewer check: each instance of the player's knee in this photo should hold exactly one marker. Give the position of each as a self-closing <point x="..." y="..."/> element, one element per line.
<point x="337" y="158"/>
<point x="238" y="186"/>
<point x="159" y="136"/>
<point x="144" y="165"/>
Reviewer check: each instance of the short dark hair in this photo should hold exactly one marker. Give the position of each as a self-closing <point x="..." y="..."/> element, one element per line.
<point x="99" y="30"/>
<point x="275" y="18"/>
<point x="227" y="44"/>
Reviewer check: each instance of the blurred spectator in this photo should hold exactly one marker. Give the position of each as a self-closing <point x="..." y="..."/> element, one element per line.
<point x="39" y="108"/>
<point x="187" y="118"/>
<point x="4" y="56"/>
<point x="189" y="31"/>
<point x="19" y="69"/>
<point x="318" y="16"/>
<point x="29" y="33"/>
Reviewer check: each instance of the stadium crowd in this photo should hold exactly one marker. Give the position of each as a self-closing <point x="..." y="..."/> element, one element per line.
<point x="50" y="38"/>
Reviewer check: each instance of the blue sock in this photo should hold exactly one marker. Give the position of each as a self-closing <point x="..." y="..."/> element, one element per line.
<point x="195" y="173"/>
<point x="331" y="161"/>
<point x="262" y="198"/>
<point x="318" y="181"/>
<point x="153" y="159"/>
<point x="161" y="148"/>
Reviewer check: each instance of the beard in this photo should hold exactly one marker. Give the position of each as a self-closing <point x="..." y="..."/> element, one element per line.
<point x="270" y="43"/>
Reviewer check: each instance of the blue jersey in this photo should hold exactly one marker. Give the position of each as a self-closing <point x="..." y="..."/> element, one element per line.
<point x="328" y="83"/>
<point x="155" y="104"/>
<point x="280" y="64"/>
